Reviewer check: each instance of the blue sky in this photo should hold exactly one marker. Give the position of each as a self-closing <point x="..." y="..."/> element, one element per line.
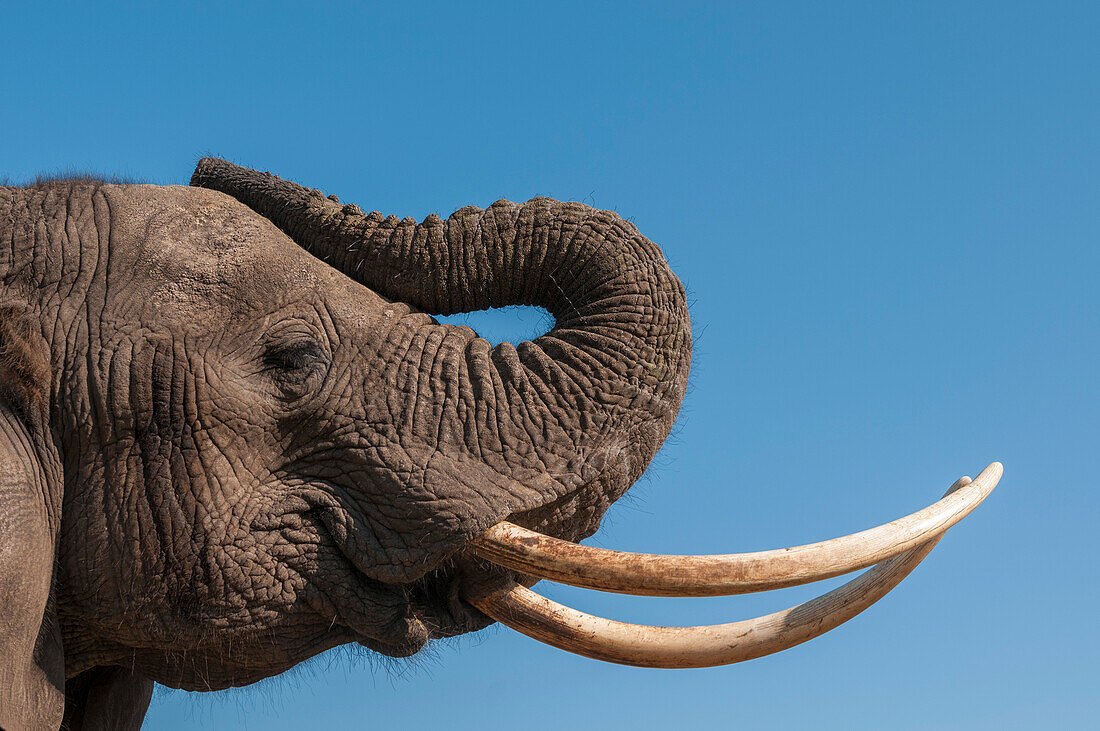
<point x="887" y="218"/>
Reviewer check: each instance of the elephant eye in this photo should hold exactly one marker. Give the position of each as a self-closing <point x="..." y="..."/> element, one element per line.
<point x="296" y="365"/>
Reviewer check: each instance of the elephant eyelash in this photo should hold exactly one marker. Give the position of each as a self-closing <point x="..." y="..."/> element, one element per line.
<point x="296" y="356"/>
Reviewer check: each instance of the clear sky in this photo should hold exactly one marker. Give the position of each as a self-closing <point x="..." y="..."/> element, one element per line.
<point x="887" y="216"/>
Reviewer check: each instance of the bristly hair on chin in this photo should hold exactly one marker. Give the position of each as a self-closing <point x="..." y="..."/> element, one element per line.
<point x="271" y="693"/>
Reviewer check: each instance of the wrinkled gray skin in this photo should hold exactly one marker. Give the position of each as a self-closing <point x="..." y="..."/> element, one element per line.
<point x="231" y="439"/>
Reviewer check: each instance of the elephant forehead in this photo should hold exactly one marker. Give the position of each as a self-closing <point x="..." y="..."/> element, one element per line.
<point x="188" y="249"/>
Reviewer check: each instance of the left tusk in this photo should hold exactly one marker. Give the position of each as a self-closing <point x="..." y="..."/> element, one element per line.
<point x="694" y="647"/>
<point x="542" y="556"/>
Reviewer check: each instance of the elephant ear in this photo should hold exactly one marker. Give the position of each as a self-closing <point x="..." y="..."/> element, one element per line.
<point x="24" y="366"/>
<point x="32" y="673"/>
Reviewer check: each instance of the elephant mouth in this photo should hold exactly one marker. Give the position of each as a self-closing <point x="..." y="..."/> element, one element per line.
<point x="893" y="550"/>
<point x="437" y="600"/>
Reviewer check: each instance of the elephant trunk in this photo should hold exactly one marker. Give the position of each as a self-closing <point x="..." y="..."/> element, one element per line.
<point x="589" y="402"/>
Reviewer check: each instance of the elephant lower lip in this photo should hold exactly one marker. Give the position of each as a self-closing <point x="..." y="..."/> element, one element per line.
<point x="438" y="598"/>
<point x="412" y="644"/>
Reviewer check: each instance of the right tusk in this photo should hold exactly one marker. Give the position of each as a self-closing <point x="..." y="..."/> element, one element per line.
<point x="542" y="556"/>
<point x="695" y="647"/>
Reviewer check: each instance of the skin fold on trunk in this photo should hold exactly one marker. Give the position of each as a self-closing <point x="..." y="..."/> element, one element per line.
<point x="587" y="404"/>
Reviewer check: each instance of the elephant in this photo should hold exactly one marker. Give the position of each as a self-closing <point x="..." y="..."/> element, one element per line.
<point x="233" y="435"/>
<point x="233" y="438"/>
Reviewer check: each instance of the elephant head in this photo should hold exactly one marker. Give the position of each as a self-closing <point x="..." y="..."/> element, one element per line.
<point x="237" y="437"/>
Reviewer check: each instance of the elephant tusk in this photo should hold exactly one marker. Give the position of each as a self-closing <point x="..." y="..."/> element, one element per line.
<point x="542" y="556"/>
<point x="694" y="647"/>
<point x="697" y="647"/>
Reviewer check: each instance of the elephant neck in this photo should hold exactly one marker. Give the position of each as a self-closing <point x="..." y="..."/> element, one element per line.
<point x="51" y="238"/>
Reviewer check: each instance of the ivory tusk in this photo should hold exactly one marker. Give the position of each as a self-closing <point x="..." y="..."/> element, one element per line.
<point x="695" y="647"/>
<point x="539" y="555"/>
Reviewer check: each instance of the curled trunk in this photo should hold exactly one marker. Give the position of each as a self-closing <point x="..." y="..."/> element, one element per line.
<point x="581" y="410"/>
